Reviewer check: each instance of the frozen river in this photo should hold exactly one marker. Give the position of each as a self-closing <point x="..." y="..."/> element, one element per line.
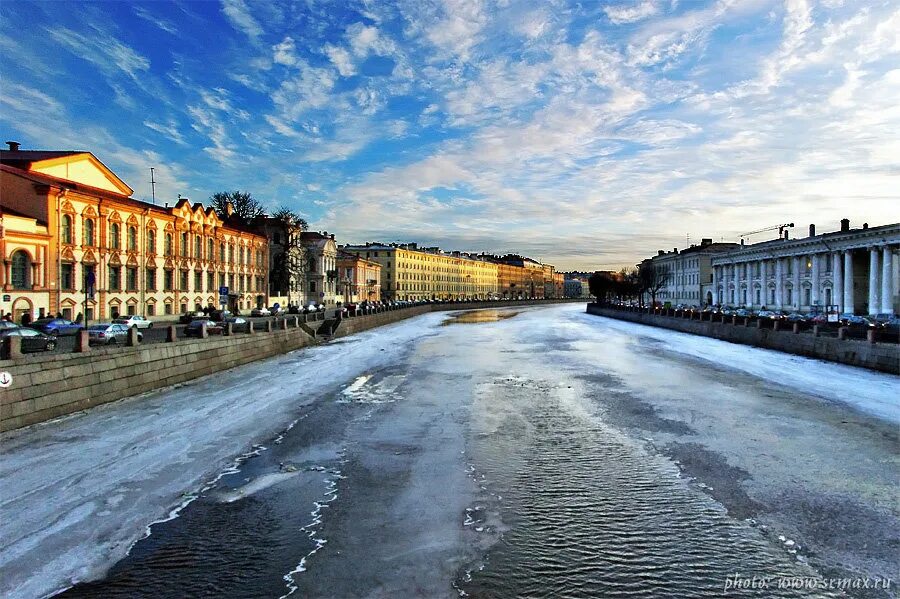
<point x="500" y="453"/>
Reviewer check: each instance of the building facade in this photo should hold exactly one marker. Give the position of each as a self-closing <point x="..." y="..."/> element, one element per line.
<point x="413" y="273"/>
<point x="321" y="276"/>
<point x="846" y="271"/>
<point x="359" y="279"/>
<point x="26" y="279"/>
<point x="687" y="274"/>
<point x="107" y="254"/>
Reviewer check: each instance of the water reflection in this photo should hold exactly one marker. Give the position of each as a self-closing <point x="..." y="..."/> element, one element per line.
<point x="476" y="316"/>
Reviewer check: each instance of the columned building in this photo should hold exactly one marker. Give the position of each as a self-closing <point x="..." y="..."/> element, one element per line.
<point x="321" y="285"/>
<point x="847" y="271"/>
<point x="685" y="276"/>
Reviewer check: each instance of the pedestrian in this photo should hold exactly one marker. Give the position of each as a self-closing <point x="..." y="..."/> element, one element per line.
<point x="26" y="319"/>
<point x="79" y="318"/>
<point x="59" y="315"/>
<point x="8" y="317"/>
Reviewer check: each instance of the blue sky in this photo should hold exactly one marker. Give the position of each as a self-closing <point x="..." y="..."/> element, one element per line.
<point x="585" y="134"/>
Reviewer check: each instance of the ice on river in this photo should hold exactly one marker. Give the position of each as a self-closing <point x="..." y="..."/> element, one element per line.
<point x="77" y="493"/>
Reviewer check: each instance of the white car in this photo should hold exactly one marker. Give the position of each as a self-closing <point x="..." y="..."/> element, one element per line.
<point x="138" y="322"/>
<point x="259" y="312"/>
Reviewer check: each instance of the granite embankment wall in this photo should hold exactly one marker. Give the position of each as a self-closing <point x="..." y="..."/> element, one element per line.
<point x="48" y="386"/>
<point x="875" y="356"/>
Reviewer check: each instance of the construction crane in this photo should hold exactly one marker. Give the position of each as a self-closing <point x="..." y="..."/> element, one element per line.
<point x="781" y="230"/>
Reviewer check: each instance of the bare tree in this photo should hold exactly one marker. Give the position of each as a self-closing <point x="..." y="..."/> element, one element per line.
<point x="652" y="278"/>
<point x="244" y="205"/>
<point x="290" y="260"/>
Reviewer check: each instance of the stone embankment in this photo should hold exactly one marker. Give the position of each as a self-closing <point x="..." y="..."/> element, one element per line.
<point x="812" y="343"/>
<point x="48" y="386"/>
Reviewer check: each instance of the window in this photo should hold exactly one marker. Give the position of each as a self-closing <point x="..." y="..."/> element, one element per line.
<point x="222" y="252"/>
<point x="210" y="254"/>
<point x="115" y="278"/>
<point x="183" y="281"/>
<point x="168" y="281"/>
<point x="210" y="281"/>
<point x="231" y="253"/>
<point x="132" y="239"/>
<point x="151" y="279"/>
<point x="151" y="309"/>
<point x="114" y="240"/>
<point x="168" y="309"/>
<point x="88" y="232"/>
<point x="21" y="267"/>
<point x="198" y="247"/>
<point x="807" y="297"/>
<point x="151" y="242"/>
<point x="131" y="276"/>
<point x="168" y="247"/>
<point x="66" y="228"/>
<point x="184" y="244"/>
<point x="198" y="281"/>
<point x="67" y="276"/>
<point x="312" y="286"/>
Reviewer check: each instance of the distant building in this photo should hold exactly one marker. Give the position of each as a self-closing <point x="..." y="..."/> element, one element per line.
<point x="358" y="279"/>
<point x="686" y="274"/>
<point x="573" y="288"/>
<point x="844" y="271"/>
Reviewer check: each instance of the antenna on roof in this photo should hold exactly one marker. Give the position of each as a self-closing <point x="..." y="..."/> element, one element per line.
<point x="152" y="186"/>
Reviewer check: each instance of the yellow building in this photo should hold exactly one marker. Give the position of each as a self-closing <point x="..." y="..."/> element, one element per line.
<point x="24" y="279"/>
<point x="359" y="279"/>
<point x="408" y="272"/>
<point x="108" y="254"/>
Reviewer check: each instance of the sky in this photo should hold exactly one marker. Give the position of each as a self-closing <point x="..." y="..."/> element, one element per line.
<point x="584" y="134"/>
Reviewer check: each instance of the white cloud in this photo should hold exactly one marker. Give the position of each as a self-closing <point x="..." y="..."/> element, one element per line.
<point x="107" y="53"/>
<point x="629" y="13"/>
<point x="341" y="59"/>
<point x="285" y="52"/>
<point x="239" y="15"/>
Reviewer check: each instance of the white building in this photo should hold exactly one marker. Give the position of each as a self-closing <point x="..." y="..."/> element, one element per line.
<point x="687" y="273"/>
<point x="321" y="285"/>
<point x="846" y="271"/>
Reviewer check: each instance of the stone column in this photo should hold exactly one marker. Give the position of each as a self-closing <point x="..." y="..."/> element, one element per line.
<point x="779" y="288"/>
<point x="887" y="280"/>
<point x="837" y="289"/>
<point x="795" y="279"/>
<point x="763" y="283"/>
<point x="715" y="284"/>
<point x="737" y="286"/>
<point x="814" y="280"/>
<point x="874" y="283"/>
<point x="849" y="308"/>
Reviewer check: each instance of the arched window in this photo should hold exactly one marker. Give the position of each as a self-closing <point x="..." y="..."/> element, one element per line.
<point x="222" y="252"/>
<point x="184" y="244"/>
<point x="66" y="228"/>
<point x="114" y="236"/>
<point x="168" y="247"/>
<point x="132" y="239"/>
<point x="210" y="254"/>
<point x="89" y="231"/>
<point x="151" y="241"/>
<point x="198" y="247"/>
<point x="231" y="253"/>
<point x="241" y="256"/>
<point x="21" y="270"/>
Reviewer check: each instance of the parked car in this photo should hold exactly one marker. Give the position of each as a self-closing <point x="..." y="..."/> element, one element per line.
<point x="796" y="317"/>
<point x="5" y="324"/>
<point x="770" y="315"/>
<point x="744" y="313"/>
<point x="138" y="322"/>
<point x="194" y="327"/>
<point x="32" y="340"/>
<point x="852" y="320"/>
<point x="261" y="311"/>
<point x="56" y="327"/>
<point x="219" y="315"/>
<point x="109" y="333"/>
<point x="189" y="316"/>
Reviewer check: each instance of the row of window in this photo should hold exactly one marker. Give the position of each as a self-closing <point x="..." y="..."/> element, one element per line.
<point x="245" y="256"/>
<point x="788" y="297"/>
<point x="115" y="283"/>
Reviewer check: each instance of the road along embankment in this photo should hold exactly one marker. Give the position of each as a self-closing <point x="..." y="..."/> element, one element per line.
<point x="884" y="357"/>
<point x="48" y="386"/>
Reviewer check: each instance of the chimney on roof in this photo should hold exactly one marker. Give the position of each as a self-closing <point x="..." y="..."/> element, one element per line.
<point x="705" y="241"/>
<point x="332" y="236"/>
<point x="812" y="230"/>
<point x="786" y="234"/>
<point x="660" y="252"/>
<point x="674" y="250"/>
<point x="229" y="208"/>
<point x="845" y="225"/>
<point x="13" y="146"/>
<point x="865" y="225"/>
<point x="742" y="241"/>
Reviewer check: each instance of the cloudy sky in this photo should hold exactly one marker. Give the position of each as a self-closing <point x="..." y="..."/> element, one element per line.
<point x="585" y="134"/>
